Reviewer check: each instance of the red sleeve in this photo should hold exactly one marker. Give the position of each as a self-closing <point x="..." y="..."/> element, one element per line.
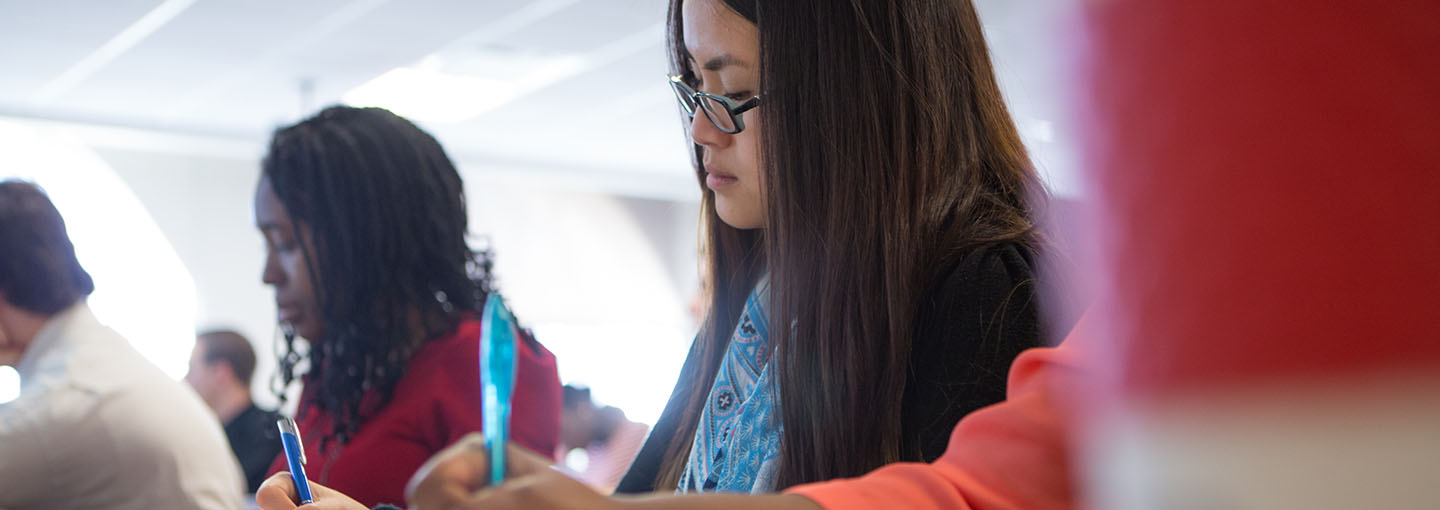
<point x="1006" y="456"/>
<point x="535" y="422"/>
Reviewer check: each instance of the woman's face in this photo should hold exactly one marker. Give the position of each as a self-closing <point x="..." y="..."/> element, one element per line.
<point x="285" y="267"/>
<point x="725" y="56"/>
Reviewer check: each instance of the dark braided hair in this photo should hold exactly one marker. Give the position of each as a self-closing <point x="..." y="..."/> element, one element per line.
<point x="391" y="267"/>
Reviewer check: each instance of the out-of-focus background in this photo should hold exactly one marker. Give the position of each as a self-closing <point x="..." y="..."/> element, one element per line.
<point x="146" y="120"/>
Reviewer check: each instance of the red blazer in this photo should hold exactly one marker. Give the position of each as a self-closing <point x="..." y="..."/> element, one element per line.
<point x="436" y="403"/>
<point x="1011" y="455"/>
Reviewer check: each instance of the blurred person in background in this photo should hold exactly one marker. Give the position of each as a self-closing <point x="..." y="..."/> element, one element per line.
<point x="96" y="425"/>
<point x="222" y="366"/>
<point x="365" y="225"/>
<point x="610" y="441"/>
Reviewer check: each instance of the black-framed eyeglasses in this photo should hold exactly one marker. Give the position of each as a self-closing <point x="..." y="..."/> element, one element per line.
<point x="723" y="112"/>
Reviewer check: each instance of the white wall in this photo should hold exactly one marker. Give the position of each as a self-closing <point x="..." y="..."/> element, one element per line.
<point x="203" y="205"/>
<point x="605" y="282"/>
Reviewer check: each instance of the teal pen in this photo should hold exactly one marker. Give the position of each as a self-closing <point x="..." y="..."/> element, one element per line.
<point x="497" y="379"/>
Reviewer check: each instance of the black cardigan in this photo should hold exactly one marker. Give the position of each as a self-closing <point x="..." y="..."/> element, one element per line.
<point x="971" y="326"/>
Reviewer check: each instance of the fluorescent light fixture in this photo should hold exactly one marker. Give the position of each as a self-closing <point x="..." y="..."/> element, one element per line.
<point x="447" y="89"/>
<point x="432" y="96"/>
<point x="111" y="50"/>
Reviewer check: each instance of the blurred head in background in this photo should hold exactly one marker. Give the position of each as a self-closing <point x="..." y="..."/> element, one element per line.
<point x="584" y="423"/>
<point x="577" y="424"/>
<point x="364" y="222"/>
<point x="39" y="274"/>
<point x="221" y="367"/>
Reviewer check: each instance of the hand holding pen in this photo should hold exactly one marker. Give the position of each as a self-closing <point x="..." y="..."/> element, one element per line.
<point x="286" y="491"/>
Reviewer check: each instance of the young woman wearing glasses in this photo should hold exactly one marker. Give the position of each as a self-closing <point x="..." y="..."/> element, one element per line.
<point x="871" y="232"/>
<point x="870" y="223"/>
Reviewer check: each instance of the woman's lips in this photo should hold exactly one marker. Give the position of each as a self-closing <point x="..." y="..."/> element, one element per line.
<point x="718" y="181"/>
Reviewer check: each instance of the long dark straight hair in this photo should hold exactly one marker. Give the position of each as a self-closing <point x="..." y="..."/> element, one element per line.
<point x="393" y="270"/>
<point x="888" y="153"/>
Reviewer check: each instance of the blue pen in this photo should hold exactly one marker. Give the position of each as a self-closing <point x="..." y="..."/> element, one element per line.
<point x="497" y="379"/>
<point x="295" y="457"/>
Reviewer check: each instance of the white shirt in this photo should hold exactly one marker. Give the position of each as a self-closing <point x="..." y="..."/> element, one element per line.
<point x="98" y="426"/>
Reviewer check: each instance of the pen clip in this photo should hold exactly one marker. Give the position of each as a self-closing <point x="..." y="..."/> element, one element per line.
<point x="287" y="426"/>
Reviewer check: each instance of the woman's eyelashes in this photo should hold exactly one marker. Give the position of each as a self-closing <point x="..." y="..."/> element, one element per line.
<point x="699" y="84"/>
<point x="739" y="95"/>
<point x="695" y="81"/>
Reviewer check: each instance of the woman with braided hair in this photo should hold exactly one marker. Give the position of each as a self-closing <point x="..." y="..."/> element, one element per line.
<point x="377" y="293"/>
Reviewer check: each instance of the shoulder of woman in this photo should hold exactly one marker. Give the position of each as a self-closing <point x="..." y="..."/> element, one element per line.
<point x="443" y="365"/>
<point x="451" y="348"/>
<point x="989" y="290"/>
<point x="997" y="267"/>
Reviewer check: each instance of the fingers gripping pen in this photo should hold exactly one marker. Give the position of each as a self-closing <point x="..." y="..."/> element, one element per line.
<point x="497" y="379"/>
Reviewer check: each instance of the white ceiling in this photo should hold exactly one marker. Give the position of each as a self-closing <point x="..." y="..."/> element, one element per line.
<point x="219" y="75"/>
